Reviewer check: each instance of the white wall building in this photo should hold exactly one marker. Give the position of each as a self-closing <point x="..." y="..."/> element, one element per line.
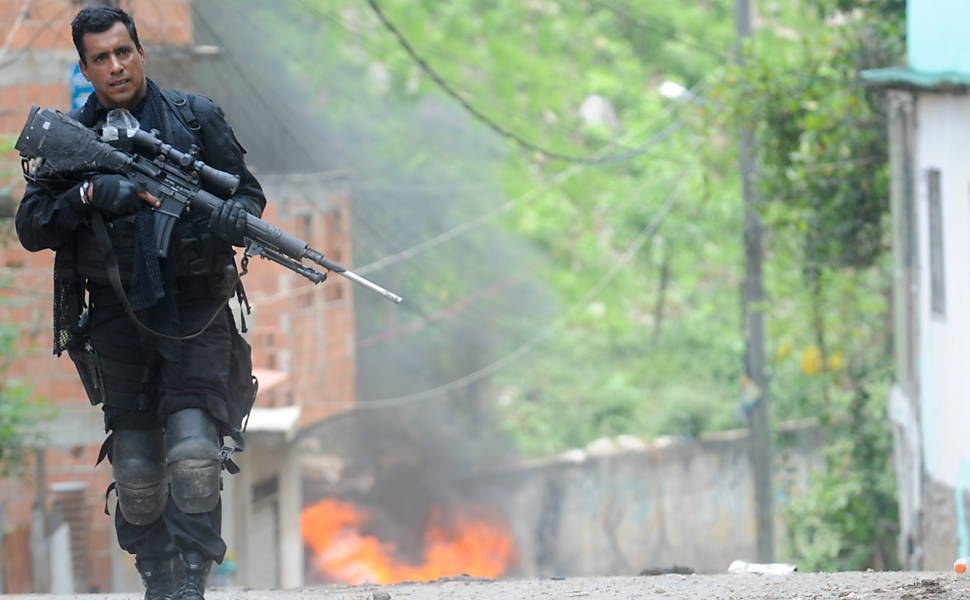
<point x="930" y="402"/>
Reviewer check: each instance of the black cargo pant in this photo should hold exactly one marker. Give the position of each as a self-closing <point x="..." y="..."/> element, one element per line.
<point x="141" y="388"/>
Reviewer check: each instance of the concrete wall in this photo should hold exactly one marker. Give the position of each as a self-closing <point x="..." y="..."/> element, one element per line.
<point x="945" y="525"/>
<point x="674" y="502"/>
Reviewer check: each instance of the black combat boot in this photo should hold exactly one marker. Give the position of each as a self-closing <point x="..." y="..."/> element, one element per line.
<point x="156" y="574"/>
<point x="191" y="572"/>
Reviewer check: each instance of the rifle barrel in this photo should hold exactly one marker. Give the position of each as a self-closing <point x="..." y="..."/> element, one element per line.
<point x="328" y="264"/>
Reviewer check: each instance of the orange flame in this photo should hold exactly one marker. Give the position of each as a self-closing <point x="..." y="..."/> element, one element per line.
<point x="472" y="546"/>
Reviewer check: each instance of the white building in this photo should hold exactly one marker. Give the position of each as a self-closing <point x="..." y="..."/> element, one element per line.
<point x="930" y="402"/>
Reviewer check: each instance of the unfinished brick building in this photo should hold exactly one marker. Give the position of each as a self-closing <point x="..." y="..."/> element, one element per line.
<point x="303" y="335"/>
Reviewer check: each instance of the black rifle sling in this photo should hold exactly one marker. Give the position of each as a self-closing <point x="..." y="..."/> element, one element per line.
<point x="181" y="105"/>
<point x="114" y="276"/>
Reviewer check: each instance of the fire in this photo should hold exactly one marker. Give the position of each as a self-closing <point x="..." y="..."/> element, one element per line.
<point x="477" y="546"/>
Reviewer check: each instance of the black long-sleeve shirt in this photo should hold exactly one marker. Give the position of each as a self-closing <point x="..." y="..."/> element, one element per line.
<point x="47" y="218"/>
<point x="53" y="216"/>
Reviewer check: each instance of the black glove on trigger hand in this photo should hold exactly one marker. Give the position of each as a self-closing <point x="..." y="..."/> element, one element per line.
<point x="115" y="194"/>
<point x="229" y="222"/>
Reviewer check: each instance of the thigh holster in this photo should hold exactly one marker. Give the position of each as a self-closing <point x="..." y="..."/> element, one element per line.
<point x="139" y="472"/>
<point x="193" y="460"/>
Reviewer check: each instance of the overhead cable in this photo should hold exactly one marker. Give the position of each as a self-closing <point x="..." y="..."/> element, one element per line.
<point x="492" y="124"/>
<point x="512" y="357"/>
<point x="467" y="226"/>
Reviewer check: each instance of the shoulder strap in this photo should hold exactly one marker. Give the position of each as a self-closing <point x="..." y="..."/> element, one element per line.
<point x="181" y="105"/>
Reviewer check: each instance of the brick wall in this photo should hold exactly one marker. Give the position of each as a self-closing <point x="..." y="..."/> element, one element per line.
<point x="299" y="328"/>
<point x="304" y="329"/>
<point x="39" y="32"/>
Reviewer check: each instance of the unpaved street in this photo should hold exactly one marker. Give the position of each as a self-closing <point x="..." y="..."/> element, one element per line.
<point x="798" y="586"/>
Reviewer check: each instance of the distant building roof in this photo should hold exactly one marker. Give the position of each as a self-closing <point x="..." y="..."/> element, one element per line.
<point x="906" y="77"/>
<point x="936" y="36"/>
<point x="272" y="426"/>
<point x="937" y="47"/>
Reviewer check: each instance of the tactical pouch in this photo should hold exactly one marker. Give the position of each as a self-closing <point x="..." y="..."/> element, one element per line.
<point x="242" y="384"/>
<point x="88" y="364"/>
<point x="195" y="251"/>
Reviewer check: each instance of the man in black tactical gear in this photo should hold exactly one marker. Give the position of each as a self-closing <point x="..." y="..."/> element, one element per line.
<point x="166" y="398"/>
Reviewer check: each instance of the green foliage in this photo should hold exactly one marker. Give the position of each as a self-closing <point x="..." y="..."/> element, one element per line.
<point x="643" y="257"/>
<point x="10" y="179"/>
<point x="822" y="148"/>
<point x="823" y="178"/>
<point x="20" y="414"/>
<point x="623" y="350"/>
<point x="848" y="519"/>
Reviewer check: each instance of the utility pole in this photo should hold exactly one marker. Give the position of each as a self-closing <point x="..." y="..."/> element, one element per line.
<point x="39" y="557"/>
<point x="753" y="301"/>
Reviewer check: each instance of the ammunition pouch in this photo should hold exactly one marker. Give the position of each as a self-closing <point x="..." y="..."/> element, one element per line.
<point x="199" y="252"/>
<point x="242" y="384"/>
<point x="87" y="362"/>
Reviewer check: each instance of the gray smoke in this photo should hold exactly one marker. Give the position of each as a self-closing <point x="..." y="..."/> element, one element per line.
<point x="416" y="170"/>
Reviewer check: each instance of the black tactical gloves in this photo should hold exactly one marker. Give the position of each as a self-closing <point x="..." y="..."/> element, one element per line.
<point x="229" y="222"/>
<point x="115" y="194"/>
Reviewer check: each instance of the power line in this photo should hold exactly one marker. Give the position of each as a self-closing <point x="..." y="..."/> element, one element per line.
<point x="461" y="303"/>
<point x="457" y="307"/>
<point x="365" y="36"/>
<point x="257" y="93"/>
<point x="670" y="32"/>
<point x="286" y="127"/>
<point x="378" y="234"/>
<point x="209" y="27"/>
<point x="467" y="226"/>
<point x="645" y="234"/>
<point x="455" y="232"/>
<point x="492" y="124"/>
<point x="463" y="228"/>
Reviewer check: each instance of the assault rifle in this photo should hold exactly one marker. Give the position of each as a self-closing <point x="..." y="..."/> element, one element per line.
<point x="55" y="147"/>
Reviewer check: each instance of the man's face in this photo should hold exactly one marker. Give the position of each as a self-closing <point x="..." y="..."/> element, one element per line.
<point x="115" y="67"/>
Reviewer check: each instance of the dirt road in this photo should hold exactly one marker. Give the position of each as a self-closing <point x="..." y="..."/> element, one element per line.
<point x="797" y="586"/>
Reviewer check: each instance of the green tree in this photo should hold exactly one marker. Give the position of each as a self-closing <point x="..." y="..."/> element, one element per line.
<point x="822" y="156"/>
<point x="641" y="256"/>
<point x="20" y="414"/>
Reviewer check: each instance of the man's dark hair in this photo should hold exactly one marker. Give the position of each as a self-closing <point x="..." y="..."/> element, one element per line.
<point x="98" y="19"/>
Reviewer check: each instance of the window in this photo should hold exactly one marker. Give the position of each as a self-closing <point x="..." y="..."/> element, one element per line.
<point x="937" y="266"/>
<point x="305" y="226"/>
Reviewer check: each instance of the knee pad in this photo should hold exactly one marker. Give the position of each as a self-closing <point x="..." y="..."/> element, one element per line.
<point x="193" y="460"/>
<point x="139" y="472"/>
